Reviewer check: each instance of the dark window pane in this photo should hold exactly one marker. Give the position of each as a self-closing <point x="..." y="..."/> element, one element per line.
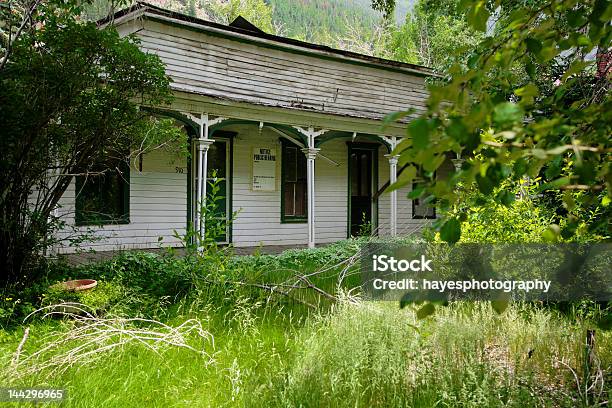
<point x="364" y="172"/>
<point x="354" y="175"/>
<point x="294" y="182"/>
<point x="103" y="198"/>
<point x="288" y="198"/>
<point x="300" y="199"/>
<point x="290" y="163"/>
<point x="217" y="160"/>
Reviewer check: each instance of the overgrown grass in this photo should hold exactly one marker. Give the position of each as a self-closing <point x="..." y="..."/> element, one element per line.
<point x="277" y="352"/>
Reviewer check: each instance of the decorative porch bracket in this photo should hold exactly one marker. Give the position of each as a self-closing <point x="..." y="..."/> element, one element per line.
<point x="199" y="169"/>
<point x="311" y="154"/>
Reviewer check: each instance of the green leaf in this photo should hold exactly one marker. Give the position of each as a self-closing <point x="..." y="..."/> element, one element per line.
<point x="418" y="130"/>
<point x="404" y="179"/>
<point x="416" y="193"/>
<point x="505" y="197"/>
<point x="539" y="153"/>
<point x="478" y="15"/>
<point x="555" y="184"/>
<point x="531" y="69"/>
<point x="435" y="162"/>
<point x="507" y="113"/>
<point x="551" y="234"/>
<point x="451" y="231"/>
<point x="426" y="310"/>
<point x="406" y="299"/>
<point x="395" y="116"/>
<point x="485" y="185"/>
<point x="575" y="18"/>
<point x="533" y="46"/>
<point x="528" y="92"/>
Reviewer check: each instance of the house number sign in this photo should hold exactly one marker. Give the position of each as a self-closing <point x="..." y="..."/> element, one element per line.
<point x="264" y="169"/>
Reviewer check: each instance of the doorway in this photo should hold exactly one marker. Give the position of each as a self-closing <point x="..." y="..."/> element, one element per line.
<point x="362" y="185"/>
<point x="219" y="165"/>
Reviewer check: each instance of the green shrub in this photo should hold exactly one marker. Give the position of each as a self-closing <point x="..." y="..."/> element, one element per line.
<point x="104" y="297"/>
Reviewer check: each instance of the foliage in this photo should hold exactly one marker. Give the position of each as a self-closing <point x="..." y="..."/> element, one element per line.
<point x="433" y="38"/>
<point x="365" y="228"/>
<point x="70" y="93"/>
<point x="503" y="218"/>
<point x="322" y="21"/>
<point x="507" y="127"/>
<point x="257" y="12"/>
<point x="371" y="355"/>
<point x="99" y="299"/>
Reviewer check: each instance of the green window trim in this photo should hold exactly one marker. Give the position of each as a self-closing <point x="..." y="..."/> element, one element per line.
<point x="83" y="218"/>
<point x="291" y="219"/>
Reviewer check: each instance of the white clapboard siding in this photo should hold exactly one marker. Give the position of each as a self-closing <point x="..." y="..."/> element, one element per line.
<point x="231" y="69"/>
<point x="259" y="222"/>
<point x="158" y="207"/>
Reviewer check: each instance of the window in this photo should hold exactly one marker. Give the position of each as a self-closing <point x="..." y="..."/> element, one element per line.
<point x="293" y="184"/>
<point x="420" y="209"/>
<point x="103" y="198"/>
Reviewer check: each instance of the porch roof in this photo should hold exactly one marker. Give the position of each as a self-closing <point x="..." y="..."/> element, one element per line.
<point x="230" y="70"/>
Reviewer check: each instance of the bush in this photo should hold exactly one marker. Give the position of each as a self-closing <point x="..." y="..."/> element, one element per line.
<point x="104" y="297"/>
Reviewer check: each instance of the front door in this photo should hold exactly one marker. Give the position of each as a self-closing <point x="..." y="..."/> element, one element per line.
<point x="218" y="166"/>
<point x="361" y="190"/>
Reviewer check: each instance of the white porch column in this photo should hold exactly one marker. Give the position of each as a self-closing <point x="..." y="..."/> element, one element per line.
<point x="311" y="155"/>
<point x="392" y="179"/>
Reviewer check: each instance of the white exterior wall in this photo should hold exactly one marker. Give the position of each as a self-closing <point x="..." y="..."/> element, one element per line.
<point x="259" y="221"/>
<point x="158" y="207"/>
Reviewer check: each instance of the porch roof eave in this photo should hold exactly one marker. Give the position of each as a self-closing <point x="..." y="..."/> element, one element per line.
<point x="196" y="102"/>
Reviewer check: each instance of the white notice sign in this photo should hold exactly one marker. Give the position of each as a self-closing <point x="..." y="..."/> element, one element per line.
<point x="264" y="169"/>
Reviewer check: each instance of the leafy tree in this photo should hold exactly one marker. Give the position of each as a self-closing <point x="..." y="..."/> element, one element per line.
<point x="70" y="95"/>
<point x="433" y="38"/>
<point x="553" y="122"/>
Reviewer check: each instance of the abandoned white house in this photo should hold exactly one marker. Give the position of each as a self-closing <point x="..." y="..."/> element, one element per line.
<point x="293" y="130"/>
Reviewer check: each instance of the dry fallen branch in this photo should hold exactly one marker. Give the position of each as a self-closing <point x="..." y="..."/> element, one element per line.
<point x="92" y="338"/>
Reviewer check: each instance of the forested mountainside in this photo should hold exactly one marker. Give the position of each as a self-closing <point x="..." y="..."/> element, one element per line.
<point x="318" y="20"/>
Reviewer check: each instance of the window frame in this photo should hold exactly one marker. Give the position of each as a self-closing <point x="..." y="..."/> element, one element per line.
<point x="291" y="219"/>
<point x="80" y="219"/>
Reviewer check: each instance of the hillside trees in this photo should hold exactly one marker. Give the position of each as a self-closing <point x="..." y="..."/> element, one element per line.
<point x="69" y="93"/>
<point x="257" y="12"/>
